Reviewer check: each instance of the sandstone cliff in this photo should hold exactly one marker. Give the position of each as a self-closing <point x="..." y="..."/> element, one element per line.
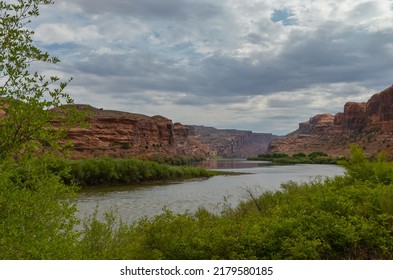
<point x="369" y="124"/>
<point x="122" y="134"/>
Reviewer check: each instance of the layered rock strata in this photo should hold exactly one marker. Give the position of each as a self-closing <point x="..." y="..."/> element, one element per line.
<point x="369" y="124"/>
<point x="123" y="134"/>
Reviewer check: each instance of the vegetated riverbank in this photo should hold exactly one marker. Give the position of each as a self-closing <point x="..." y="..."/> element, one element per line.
<point x="107" y="171"/>
<point x="298" y="158"/>
<point x="346" y="217"/>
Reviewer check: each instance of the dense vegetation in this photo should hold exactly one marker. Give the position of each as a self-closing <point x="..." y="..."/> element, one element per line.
<point x="100" y="171"/>
<point x="37" y="213"/>
<point x="281" y="158"/>
<point x="347" y="217"/>
<point x="177" y="160"/>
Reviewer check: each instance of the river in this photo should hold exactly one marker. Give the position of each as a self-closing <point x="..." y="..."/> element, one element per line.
<point x="135" y="202"/>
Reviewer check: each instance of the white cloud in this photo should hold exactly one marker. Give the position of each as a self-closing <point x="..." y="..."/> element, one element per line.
<point x="60" y="33"/>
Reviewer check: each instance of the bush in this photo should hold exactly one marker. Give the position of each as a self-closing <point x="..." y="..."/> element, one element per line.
<point x="299" y="155"/>
<point x="36" y="212"/>
<point x="317" y="154"/>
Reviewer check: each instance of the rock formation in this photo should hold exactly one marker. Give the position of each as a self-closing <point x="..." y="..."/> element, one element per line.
<point x="232" y="143"/>
<point x="122" y="134"/>
<point x="369" y="124"/>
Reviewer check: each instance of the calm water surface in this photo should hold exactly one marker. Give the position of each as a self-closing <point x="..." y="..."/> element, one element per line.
<point x="134" y="202"/>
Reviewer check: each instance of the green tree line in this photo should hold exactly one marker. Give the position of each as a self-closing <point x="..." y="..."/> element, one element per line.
<point x="316" y="157"/>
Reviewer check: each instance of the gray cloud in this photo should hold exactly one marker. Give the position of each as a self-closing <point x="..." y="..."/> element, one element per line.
<point x="153" y="9"/>
<point x="304" y="62"/>
<point x="210" y="53"/>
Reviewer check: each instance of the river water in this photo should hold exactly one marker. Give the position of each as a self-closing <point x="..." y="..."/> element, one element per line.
<point x="135" y="202"/>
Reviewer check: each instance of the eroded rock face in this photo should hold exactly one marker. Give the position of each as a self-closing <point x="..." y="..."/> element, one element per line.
<point x="369" y="124"/>
<point x="379" y="109"/>
<point x="354" y="116"/>
<point x="122" y="134"/>
<point x="316" y="124"/>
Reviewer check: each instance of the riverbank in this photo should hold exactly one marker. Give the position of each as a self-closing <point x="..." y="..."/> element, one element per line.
<point x="112" y="171"/>
<point x="345" y="217"/>
<point x="298" y="158"/>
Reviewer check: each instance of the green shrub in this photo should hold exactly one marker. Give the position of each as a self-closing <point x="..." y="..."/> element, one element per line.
<point x="299" y="155"/>
<point x="317" y="154"/>
<point x="36" y="213"/>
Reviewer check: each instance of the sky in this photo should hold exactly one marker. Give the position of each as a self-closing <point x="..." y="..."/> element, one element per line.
<point x="253" y="65"/>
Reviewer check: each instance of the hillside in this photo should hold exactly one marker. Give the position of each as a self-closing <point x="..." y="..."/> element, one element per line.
<point x="369" y="124"/>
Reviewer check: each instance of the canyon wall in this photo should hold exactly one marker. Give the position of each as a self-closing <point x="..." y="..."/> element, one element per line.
<point x="369" y="124"/>
<point x="232" y="143"/>
<point x="123" y="134"/>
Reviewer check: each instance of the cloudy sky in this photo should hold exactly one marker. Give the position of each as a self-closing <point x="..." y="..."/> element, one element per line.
<point x="261" y="65"/>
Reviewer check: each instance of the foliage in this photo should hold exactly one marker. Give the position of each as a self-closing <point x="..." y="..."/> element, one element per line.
<point x="177" y="160"/>
<point x="316" y="157"/>
<point x="299" y="155"/>
<point x="99" y="171"/>
<point x="29" y="100"/>
<point x="359" y="167"/>
<point x="317" y="154"/>
<point x="36" y="212"/>
<point x="36" y="209"/>
<point x="346" y="217"/>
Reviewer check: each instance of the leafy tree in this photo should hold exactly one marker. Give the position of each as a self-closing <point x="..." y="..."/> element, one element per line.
<point x="29" y="101"/>
<point x="37" y="218"/>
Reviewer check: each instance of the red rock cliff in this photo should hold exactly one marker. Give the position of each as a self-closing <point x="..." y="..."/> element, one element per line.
<point x="122" y="134"/>
<point x="379" y="110"/>
<point x="369" y="124"/>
